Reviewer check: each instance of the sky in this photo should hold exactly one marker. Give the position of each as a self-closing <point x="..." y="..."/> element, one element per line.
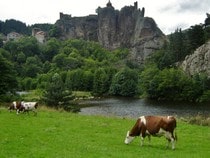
<point x="168" y="14"/>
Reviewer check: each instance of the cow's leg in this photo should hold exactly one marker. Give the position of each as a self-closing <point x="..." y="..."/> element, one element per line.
<point x="170" y="138"/>
<point x="173" y="143"/>
<point x="142" y="141"/>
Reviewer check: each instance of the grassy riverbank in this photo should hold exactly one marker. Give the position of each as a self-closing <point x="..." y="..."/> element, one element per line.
<point x="60" y="134"/>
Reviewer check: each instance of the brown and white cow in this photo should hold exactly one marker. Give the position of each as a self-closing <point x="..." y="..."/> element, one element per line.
<point x="28" y="106"/>
<point x="15" y="105"/>
<point x="153" y="126"/>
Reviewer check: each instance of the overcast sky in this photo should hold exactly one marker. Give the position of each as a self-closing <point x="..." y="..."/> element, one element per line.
<point x="168" y="14"/>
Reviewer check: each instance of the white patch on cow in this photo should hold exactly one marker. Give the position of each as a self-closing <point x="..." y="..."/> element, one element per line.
<point x="143" y="120"/>
<point x="168" y="135"/>
<point x="15" y="105"/>
<point x="147" y="132"/>
<point x="128" y="138"/>
<point x="162" y="132"/>
<point x="169" y="117"/>
<point x="29" y="106"/>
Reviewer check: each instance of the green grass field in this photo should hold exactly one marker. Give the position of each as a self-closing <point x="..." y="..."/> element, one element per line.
<point x="58" y="134"/>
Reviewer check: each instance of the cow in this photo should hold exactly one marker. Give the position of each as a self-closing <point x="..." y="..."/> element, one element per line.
<point x="153" y="126"/>
<point x="28" y="106"/>
<point x="15" y="105"/>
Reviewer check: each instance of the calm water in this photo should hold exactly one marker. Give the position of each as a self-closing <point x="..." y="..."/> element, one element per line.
<point x="127" y="107"/>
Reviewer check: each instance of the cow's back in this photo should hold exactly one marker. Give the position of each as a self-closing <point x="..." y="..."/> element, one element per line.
<point x="169" y="123"/>
<point x="155" y="123"/>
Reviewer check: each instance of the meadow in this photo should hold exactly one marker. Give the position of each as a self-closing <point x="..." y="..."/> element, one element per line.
<point x="59" y="134"/>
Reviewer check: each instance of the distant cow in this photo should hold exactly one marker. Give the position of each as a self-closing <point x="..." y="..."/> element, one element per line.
<point x="28" y="106"/>
<point x="155" y="126"/>
<point x="15" y="105"/>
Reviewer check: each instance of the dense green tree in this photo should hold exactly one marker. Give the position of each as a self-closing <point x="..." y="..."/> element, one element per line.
<point x="44" y="27"/>
<point x="32" y="67"/>
<point x="100" y="82"/>
<point x="46" y="67"/>
<point x="1" y="42"/>
<point x="28" y="45"/>
<point x="8" y="82"/>
<point x="65" y="62"/>
<point x="50" y="49"/>
<point x="170" y="84"/>
<point x="14" y="25"/>
<point x="21" y="58"/>
<point x="125" y="83"/>
<point x="177" y="45"/>
<point x="207" y="21"/>
<point x="28" y="83"/>
<point x="12" y="47"/>
<point x="54" y="31"/>
<point x="74" y="79"/>
<point x="56" y="95"/>
<point x="196" y="36"/>
<point x="79" y="80"/>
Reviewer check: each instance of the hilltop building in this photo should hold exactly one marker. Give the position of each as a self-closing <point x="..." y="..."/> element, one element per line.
<point x="13" y="36"/>
<point x="39" y="35"/>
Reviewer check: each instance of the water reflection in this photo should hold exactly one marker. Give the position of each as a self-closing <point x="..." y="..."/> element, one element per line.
<point x="129" y="107"/>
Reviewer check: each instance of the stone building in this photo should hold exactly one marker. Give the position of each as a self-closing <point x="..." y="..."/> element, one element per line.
<point x="39" y="35"/>
<point x="13" y="36"/>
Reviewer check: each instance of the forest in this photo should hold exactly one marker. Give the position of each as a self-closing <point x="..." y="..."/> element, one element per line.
<point x="58" y="67"/>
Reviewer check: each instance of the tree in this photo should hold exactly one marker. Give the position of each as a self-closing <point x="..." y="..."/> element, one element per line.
<point x="1" y="42"/>
<point x="51" y="49"/>
<point x="54" y="31"/>
<point x="196" y="36"/>
<point x="32" y="67"/>
<point x="56" y="95"/>
<point x="100" y="82"/>
<point x="79" y="80"/>
<point x="8" y="82"/>
<point x="125" y="83"/>
<point x="171" y="84"/>
<point x="177" y="45"/>
<point x="14" y="25"/>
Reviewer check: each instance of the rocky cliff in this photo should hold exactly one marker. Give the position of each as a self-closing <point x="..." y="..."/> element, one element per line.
<point x="112" y="28"/>
<point x="198" y="62"/>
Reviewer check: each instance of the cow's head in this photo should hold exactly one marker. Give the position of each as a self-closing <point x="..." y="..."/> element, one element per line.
<point x="128" y="138"/>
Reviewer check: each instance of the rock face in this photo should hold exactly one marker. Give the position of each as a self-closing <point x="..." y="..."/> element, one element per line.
<point x="112" y="28"/>
<point x="198" y="62"/>
<point x="78" y="27"/>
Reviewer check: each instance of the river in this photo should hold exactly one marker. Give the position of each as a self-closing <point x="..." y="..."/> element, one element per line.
<point x="129" y="107"/>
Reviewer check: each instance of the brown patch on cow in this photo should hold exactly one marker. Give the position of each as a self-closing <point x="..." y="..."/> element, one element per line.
<point x="12" y="106"/>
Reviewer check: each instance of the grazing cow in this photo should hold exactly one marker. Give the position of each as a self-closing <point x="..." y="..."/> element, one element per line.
<point x="15" y="105"/>
<point x="155" y="126"/>
<point x="28" y="106"/>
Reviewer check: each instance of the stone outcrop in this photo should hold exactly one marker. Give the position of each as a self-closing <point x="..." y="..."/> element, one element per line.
<point x="198" y="62"/>
<point x="78" y="27"/>
<point x="112" y="28"/>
